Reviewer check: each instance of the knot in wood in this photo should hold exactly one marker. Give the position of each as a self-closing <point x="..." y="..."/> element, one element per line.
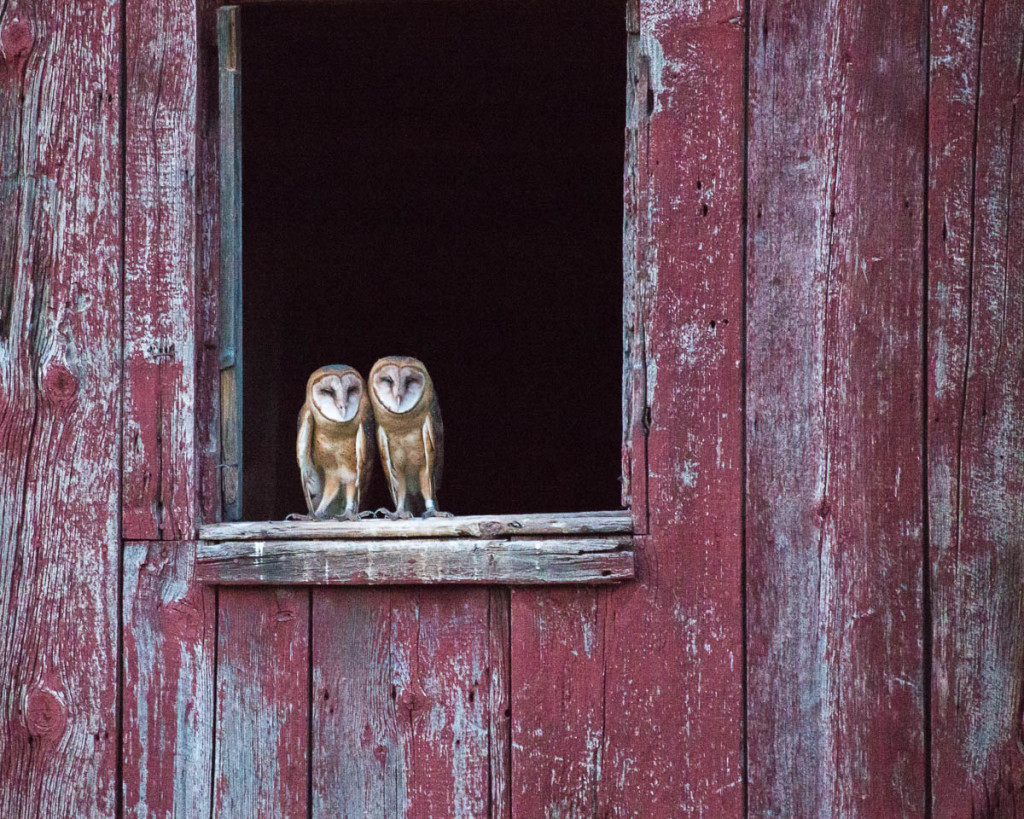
<point x="16" y="42"/>
<point x="44" y="713"/>
<point x="59" y="384"/>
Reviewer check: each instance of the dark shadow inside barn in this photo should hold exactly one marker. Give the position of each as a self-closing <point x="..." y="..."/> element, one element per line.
<point x="442" y="181"/>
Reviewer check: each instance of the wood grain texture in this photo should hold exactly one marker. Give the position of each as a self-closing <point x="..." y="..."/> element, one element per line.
<point x="976" y="407"/>
<point x="558" y="671"/>
<point x="407" y="561"/>
<point x="169" y="648"/>
<point x="60" y="400"/>
<point x="160" y="473"/>
<point x="486" y="526"/>
<point x="673" y="642"/>
<point x="834" y="411"/>
<point x="634" y="330"/>
<point x="402" y="683"/>
<point x="263" y="710"/>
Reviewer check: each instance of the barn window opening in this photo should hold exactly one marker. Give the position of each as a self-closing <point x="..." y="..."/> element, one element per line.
<point x="444" y="181"/>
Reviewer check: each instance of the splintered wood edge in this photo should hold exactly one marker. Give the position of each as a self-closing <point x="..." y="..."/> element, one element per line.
<point x="416" y="561"/>
<point x="617" y="522"/>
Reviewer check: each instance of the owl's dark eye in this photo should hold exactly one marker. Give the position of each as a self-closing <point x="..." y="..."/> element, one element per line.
<point x="327" y="391"/>
<point x="389" y="381"/>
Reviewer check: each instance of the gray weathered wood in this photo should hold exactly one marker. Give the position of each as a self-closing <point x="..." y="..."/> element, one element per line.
<point x="576" y="523"/>
<point x="374" y="562"/>
<point x="229" y="56"/>
<point x="60" y="405"/>
<point x="169" y="630"/>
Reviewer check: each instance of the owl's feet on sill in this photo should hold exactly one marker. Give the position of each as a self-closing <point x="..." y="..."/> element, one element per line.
<point x="387" y="514"/>
<point x="297" y="516"/>
<point x="436" y="513"/>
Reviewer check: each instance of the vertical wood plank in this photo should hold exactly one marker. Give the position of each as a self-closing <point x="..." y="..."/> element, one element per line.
<point x="354" y="707"/>
<point x="673" y="639"/>
<point x="634" y="336"/>
<point x="402" y="681"/>
<point x="263" y="713"/>
<point x="499" y="679"/>
<point x="834" y="410"/>
<point x="60" y="399"/>
<point x="169" y="644"/>
<point x="559" y="672"/>
<point x="207" y="263"/>
<point x="160" y="474"/>
<point x="976" y="407"/>
<point x="229" y="51"/>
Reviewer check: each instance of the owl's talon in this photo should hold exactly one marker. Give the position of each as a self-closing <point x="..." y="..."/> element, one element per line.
<point x="403" y="515"/>
<point x="367" y="514"/>
<point x="347" y="515"/>
<point x="436" y="513"/>
<point x="297" y="516"/>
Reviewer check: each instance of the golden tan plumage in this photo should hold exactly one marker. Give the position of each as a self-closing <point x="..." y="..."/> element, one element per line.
<point x="410" y="434"/>
<point x="335" y="447"/>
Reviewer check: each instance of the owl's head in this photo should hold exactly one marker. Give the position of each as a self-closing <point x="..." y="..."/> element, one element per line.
<point x="399" y="383"/>
<point x="334" y="392"/>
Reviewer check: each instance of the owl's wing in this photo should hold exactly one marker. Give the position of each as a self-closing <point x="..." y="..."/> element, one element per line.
<point x="312" y="487"/>
<point x="385" y="458"/>
<point x="433" y="443"/>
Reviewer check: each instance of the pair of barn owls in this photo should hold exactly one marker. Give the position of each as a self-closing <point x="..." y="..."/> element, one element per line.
<point x="337" y="444"/>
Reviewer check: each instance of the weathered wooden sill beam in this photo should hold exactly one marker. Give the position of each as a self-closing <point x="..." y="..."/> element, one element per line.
<point x="417" y="561"/>
<point x="487" y="526"/>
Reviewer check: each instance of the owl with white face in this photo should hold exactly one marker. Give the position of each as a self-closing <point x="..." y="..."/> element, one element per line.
<point x="335" y="444"/>
<point x="410" y="435"/>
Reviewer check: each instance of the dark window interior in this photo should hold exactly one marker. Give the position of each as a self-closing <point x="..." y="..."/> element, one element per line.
<point x="443" y="181"/>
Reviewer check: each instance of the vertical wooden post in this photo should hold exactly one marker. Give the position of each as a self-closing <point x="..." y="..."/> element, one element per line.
<point x="230" y="65"/>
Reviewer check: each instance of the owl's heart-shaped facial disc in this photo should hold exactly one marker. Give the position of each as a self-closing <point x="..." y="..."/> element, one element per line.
<point x="399" y="389"/>
<point x="337" y="396"/>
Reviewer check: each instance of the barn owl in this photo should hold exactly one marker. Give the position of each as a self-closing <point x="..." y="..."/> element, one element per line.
<point x="335" y="445"/>
<point x="410" y="435"/>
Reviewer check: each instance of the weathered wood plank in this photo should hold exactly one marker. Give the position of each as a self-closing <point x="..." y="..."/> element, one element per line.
<point x="229" y="55"/>
<point x="673" y="643"/>
<point x="557" y="670"/>
<point x="60" y="401"/>
<point x="262" y="744"/>
<point x="634" y="273"/>
<point x="169" y="643"/>
<point x="976" y="407"/>
<point x="499" y="681"/>
<point x="440" y="644"/>
<point x="834" y="410"/>
<point x="374" y="562"/>
<point x="160" y="476"/>
<point x="402" y="683"/>
<point x="490" y="526"/>
<point x="207" y="290"/>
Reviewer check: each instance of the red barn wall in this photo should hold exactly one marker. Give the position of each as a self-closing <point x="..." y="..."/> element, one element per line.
<point x="825" y="453"/>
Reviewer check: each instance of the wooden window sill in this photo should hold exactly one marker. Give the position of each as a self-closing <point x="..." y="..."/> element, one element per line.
<point x="580" y="548"/>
